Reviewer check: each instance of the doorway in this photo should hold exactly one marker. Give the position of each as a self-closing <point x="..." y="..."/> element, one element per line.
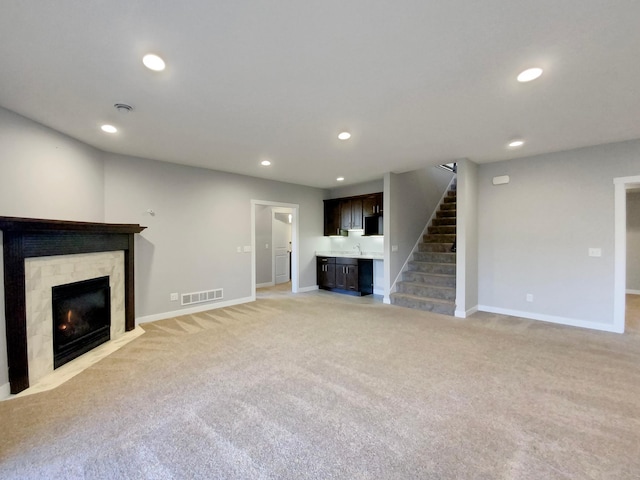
<point x="274" y="240"/>
<point x="623" y="186"/>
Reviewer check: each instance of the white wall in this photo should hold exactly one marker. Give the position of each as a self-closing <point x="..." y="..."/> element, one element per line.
<point x="44" y="174"/>
<point x="633" y="241"/>
<point x="201" y="217"/>
<point x="369" y="244"/>
<point x="413" y="197"/>
<point x="374" y="186"/>
<point x="535" y="232"/>
<point x="264" y="249"/>
<point x="467" y="239"/>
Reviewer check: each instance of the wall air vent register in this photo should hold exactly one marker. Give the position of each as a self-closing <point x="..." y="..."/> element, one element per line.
<point x="201" y="297"/>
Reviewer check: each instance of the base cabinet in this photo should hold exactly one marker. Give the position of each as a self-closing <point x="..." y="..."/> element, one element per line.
<point x="353" y="276"/>
<point x="326" y="272"/>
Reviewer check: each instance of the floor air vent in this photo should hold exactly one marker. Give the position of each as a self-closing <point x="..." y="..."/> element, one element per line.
<point x="200" y="297"/>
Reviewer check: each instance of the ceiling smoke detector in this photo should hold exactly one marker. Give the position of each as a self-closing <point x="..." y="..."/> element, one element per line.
<point x="123" y="107"/>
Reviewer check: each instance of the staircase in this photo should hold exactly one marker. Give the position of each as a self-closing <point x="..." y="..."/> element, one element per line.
<point x="429" y="280"/>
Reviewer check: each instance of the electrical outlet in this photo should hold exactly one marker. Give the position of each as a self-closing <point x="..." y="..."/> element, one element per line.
<point x="595" y="252"/>
<point x="239" y="249"/>
<point x="173" y="297"/>
<point x="529" y="297"/>
<point x="247" y="248"/>
<point x="394" y="248"/>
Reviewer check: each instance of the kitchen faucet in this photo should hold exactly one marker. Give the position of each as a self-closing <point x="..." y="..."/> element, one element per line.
<point x="359" y="249"/>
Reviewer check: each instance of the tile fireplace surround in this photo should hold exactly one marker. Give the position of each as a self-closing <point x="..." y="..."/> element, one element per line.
<point x="43" y="273"/>
<point x="40" y="254"/>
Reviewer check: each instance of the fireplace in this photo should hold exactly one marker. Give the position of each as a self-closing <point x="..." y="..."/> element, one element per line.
<point x="81" y="318"/>
<point x="28" y="239"/>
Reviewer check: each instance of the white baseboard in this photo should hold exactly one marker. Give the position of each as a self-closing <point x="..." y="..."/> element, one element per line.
<point x="572" y="322"/>
<point x="307" y="289"/>
<point x="266" y="284"/>
<point x="633" y="292"/>
<point x="465" y="313"/>
<point x="378" y="291"/>
<point x="200" y="308"/>
<point x="5" y="390"/>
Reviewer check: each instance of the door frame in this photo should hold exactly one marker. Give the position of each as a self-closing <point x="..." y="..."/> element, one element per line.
<point x="295" y="251"/>
<point x="621" y="184"/>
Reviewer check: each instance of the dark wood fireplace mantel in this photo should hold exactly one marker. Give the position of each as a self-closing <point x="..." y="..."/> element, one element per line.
<point x="29" y="237"/>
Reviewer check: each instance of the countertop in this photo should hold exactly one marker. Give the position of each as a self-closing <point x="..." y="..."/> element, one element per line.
<point x="352" y="254"/>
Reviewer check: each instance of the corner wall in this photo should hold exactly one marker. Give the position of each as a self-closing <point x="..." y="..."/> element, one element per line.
<point x="536" y="231"/>
<point x="201" y="217"/>
<point x="44" y="174"/>
<point x="633" y="242"/>
<point x="467" y="239"/>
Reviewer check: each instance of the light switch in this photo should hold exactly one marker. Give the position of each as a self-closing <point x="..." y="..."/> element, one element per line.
<point x="595" y="252"/>
<point x="247" y="248"/>
<point x="239" y="249"/>
<point x="394" y="248"/>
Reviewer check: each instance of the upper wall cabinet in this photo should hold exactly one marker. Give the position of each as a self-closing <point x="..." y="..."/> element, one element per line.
<point x="372" y="204"/>
<point x="332" y="217"/>
<point x="350" y="213"/>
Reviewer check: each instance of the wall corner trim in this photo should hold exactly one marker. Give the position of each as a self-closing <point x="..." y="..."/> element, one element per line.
<point x="307" y="289"/>
<point x="571" y="322"/>
<point x="198" y="309"/>
<point x="465" y="313"/>
<point x="5" y="391"/>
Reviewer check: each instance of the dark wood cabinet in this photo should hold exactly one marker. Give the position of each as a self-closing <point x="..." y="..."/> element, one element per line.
<point x="349" y="213"/>
<point x="326" y="270"/>
<point x="353" y="276"/>
<point x="345" y="214"/>
<point x="347" y="274"/>
<point x="332" y="217"/>
<point x="372" y="204"/>
<point x="356" y="213"/>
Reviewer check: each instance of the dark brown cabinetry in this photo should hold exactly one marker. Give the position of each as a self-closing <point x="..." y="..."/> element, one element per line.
<point x="350" y="213"/>
<point x="326" y="272"/>
<point x="347" y="274"/>
<point x="332" y="217"/>
<point x="372" y="204"/>
<point x="353" y="276"/>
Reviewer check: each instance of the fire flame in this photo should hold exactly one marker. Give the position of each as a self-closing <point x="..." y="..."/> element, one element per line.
<point x="64" y="326"/>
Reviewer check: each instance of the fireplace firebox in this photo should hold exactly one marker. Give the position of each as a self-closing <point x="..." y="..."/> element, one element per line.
<point x="81" y="318"/>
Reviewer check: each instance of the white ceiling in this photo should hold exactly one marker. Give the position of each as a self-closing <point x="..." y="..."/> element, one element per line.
<point x="417" y="82"/>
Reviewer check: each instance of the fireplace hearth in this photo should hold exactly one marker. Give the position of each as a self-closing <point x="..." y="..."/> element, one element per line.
<point x="81" y="318"/>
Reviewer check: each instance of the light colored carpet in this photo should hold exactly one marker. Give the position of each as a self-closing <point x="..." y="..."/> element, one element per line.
<point x="321" y="386"/>
<point x="632" y="317"/>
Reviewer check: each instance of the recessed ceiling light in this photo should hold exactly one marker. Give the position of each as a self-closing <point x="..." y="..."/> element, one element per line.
<point x="529" y="74"/>
<point x="109" y="128"/>
<point x="265" y="163"/>
<point x="153" y="62"/>
<point x="344" y="135"/>
<point x="516" y="143"/>
<point x="340" y="179"/>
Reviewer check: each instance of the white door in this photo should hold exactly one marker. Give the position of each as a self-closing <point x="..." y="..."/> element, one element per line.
<point x="281" y="242"/>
